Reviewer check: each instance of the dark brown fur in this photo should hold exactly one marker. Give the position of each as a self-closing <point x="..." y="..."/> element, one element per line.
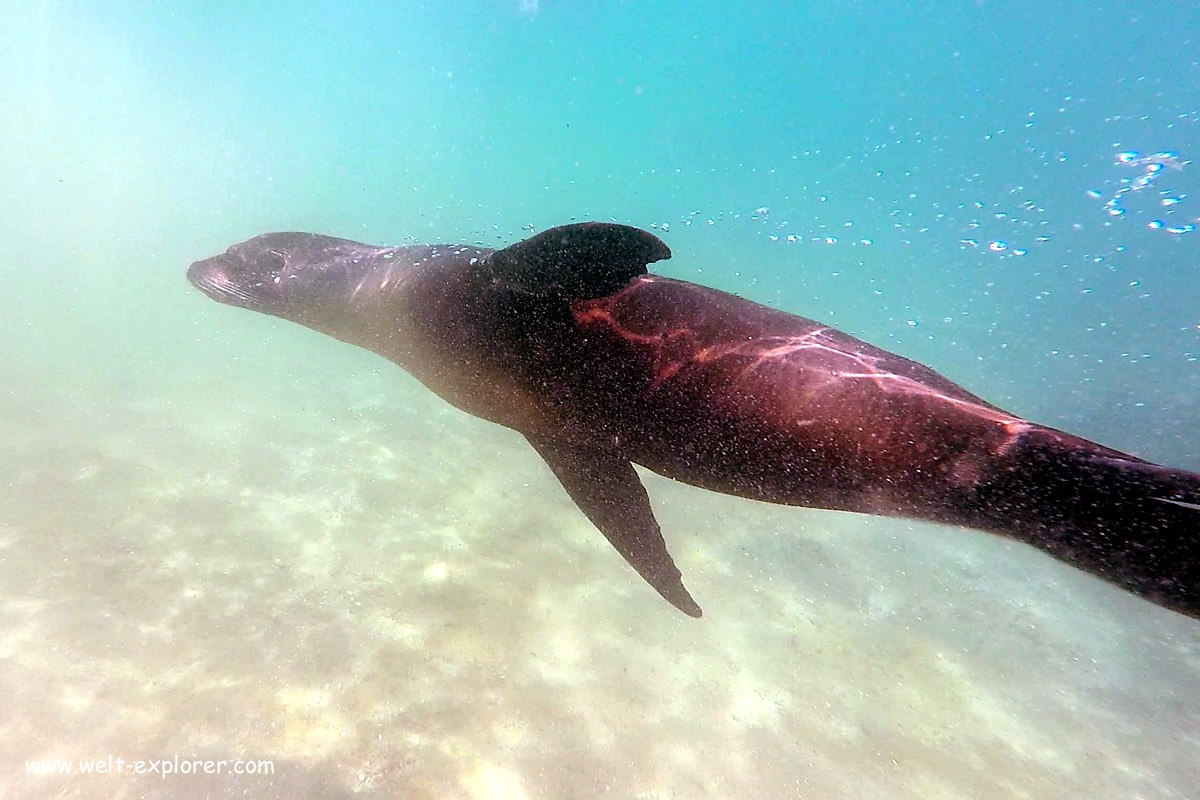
<point x="566" y="339"/>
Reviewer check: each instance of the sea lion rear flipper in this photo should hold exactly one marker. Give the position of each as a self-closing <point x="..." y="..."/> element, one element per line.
<point x="607" y="489"/>
<point x="578" y="262"/>
<point x="1130" y="522"/>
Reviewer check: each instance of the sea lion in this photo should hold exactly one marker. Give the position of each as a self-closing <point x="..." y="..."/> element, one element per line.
<point x="568" y="339"/>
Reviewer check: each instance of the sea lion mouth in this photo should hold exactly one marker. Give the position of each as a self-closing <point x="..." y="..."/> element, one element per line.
<point x="214" y="281"/>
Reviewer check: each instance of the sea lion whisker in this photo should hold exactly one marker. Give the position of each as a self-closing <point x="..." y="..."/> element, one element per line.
<point x="1180" y="503"/>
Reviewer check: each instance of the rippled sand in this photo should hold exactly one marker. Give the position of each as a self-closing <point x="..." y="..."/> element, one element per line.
<point x="389" y="599"/>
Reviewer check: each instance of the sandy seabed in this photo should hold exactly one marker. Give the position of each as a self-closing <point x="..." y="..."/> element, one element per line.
<point x="386" y="598"/>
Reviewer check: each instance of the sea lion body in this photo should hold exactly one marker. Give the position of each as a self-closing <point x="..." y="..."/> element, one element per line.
<point x="566" y="338"/>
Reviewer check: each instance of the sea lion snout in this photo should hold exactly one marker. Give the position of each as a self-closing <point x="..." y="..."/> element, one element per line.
<point x="216" y="277"/>
<point x="273" y="272"/>
<point x="303" y="277"/>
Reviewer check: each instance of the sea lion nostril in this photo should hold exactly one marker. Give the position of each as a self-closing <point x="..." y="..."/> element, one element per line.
<point x="195" y="271"/>
<point x="209" y="268"/>
<point x="212" y="278"/>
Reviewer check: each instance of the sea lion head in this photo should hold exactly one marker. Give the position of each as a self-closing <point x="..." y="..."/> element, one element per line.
<point x="303" y="277"/>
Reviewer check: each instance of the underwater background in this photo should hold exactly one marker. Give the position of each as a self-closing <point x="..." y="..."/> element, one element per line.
<point x="223" y="536"/>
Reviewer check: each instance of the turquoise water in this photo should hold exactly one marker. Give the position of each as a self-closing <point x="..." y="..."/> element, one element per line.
<point x="225" y="537"/>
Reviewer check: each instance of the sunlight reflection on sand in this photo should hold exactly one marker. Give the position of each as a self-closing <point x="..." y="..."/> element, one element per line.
<point x="447" y="625"/>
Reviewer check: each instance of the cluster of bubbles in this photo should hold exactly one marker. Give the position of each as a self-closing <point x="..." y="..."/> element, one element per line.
<point x="999" y="245"/>
<point x="779" y="232"/>
<point x="1016" y="220"/>
<point x="1147" y="188"/>
<point x="1152" y="167"/>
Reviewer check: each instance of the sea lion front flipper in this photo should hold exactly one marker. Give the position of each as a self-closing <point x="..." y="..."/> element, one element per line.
<point x="607" y="489"/>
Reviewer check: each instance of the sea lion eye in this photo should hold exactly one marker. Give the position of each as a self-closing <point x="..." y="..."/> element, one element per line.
<point x="274" y="260"/>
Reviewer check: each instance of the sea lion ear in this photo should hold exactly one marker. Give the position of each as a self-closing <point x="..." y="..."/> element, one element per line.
<point x="578" y="262"/>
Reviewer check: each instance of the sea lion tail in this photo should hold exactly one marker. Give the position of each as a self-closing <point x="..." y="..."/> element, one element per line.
<point x="1125" y="520"/>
